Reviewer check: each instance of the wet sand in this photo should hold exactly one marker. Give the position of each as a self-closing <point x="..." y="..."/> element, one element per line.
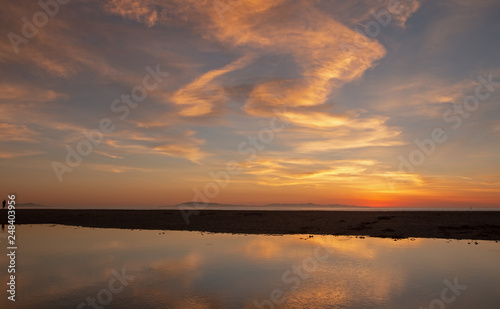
<point x="476" y="225"/>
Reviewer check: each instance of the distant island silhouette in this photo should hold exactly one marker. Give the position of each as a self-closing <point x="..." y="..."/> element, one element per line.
<point x="274" y="206"/>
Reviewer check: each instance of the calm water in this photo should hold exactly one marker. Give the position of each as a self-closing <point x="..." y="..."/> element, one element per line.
<point x="63" y="267"/>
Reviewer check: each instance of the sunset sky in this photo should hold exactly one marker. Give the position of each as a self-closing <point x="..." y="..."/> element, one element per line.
<point x="321" y="101"/>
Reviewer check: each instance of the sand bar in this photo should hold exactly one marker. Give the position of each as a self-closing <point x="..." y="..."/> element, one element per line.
<point x="479" y="225"/>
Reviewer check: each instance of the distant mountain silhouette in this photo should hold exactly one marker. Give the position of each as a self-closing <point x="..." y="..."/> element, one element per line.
<point x="218" y="206"/>
<point x="318" y="205"/>
<point x="260" y="207"/>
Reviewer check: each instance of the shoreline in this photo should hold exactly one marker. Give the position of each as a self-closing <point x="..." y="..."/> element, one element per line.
<point x="474" y="225"/>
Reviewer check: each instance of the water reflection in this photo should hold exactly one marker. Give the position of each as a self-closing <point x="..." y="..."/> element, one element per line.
<point x="63" y="267"/>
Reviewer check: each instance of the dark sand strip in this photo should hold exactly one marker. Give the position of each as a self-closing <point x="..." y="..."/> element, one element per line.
<point x="480" y="225"/>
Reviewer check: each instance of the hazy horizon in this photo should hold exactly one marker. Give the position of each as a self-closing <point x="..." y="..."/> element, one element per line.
<point x="260" y="207"/>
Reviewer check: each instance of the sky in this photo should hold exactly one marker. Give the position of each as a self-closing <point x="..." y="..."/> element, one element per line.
<point x="150" y="103"/>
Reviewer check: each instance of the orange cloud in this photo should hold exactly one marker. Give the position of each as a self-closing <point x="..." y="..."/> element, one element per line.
<point x="136" y="10"/>
<point x="293" y="171"/>
<point x="360" y="12"/>
<point x="184" y="145"/>
<point x="321" y="132"/>
<point x="10" y="154"/>
<point x="13" y="132"/>
<point x="202" y="95"/>
<point x="27" y="93"/>
<point x="313" y="39"/>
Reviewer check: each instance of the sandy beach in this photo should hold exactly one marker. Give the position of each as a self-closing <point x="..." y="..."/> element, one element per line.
<point x="478" y="225"/>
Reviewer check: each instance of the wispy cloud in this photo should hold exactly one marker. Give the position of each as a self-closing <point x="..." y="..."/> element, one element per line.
<point x="16" y="93"/>
<point x="184" y="145"/>
<point x="141" y="11"/>
<point x="201" y="96"/>
<point x="13" y="132"/>
<point x="10" y="154"/>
